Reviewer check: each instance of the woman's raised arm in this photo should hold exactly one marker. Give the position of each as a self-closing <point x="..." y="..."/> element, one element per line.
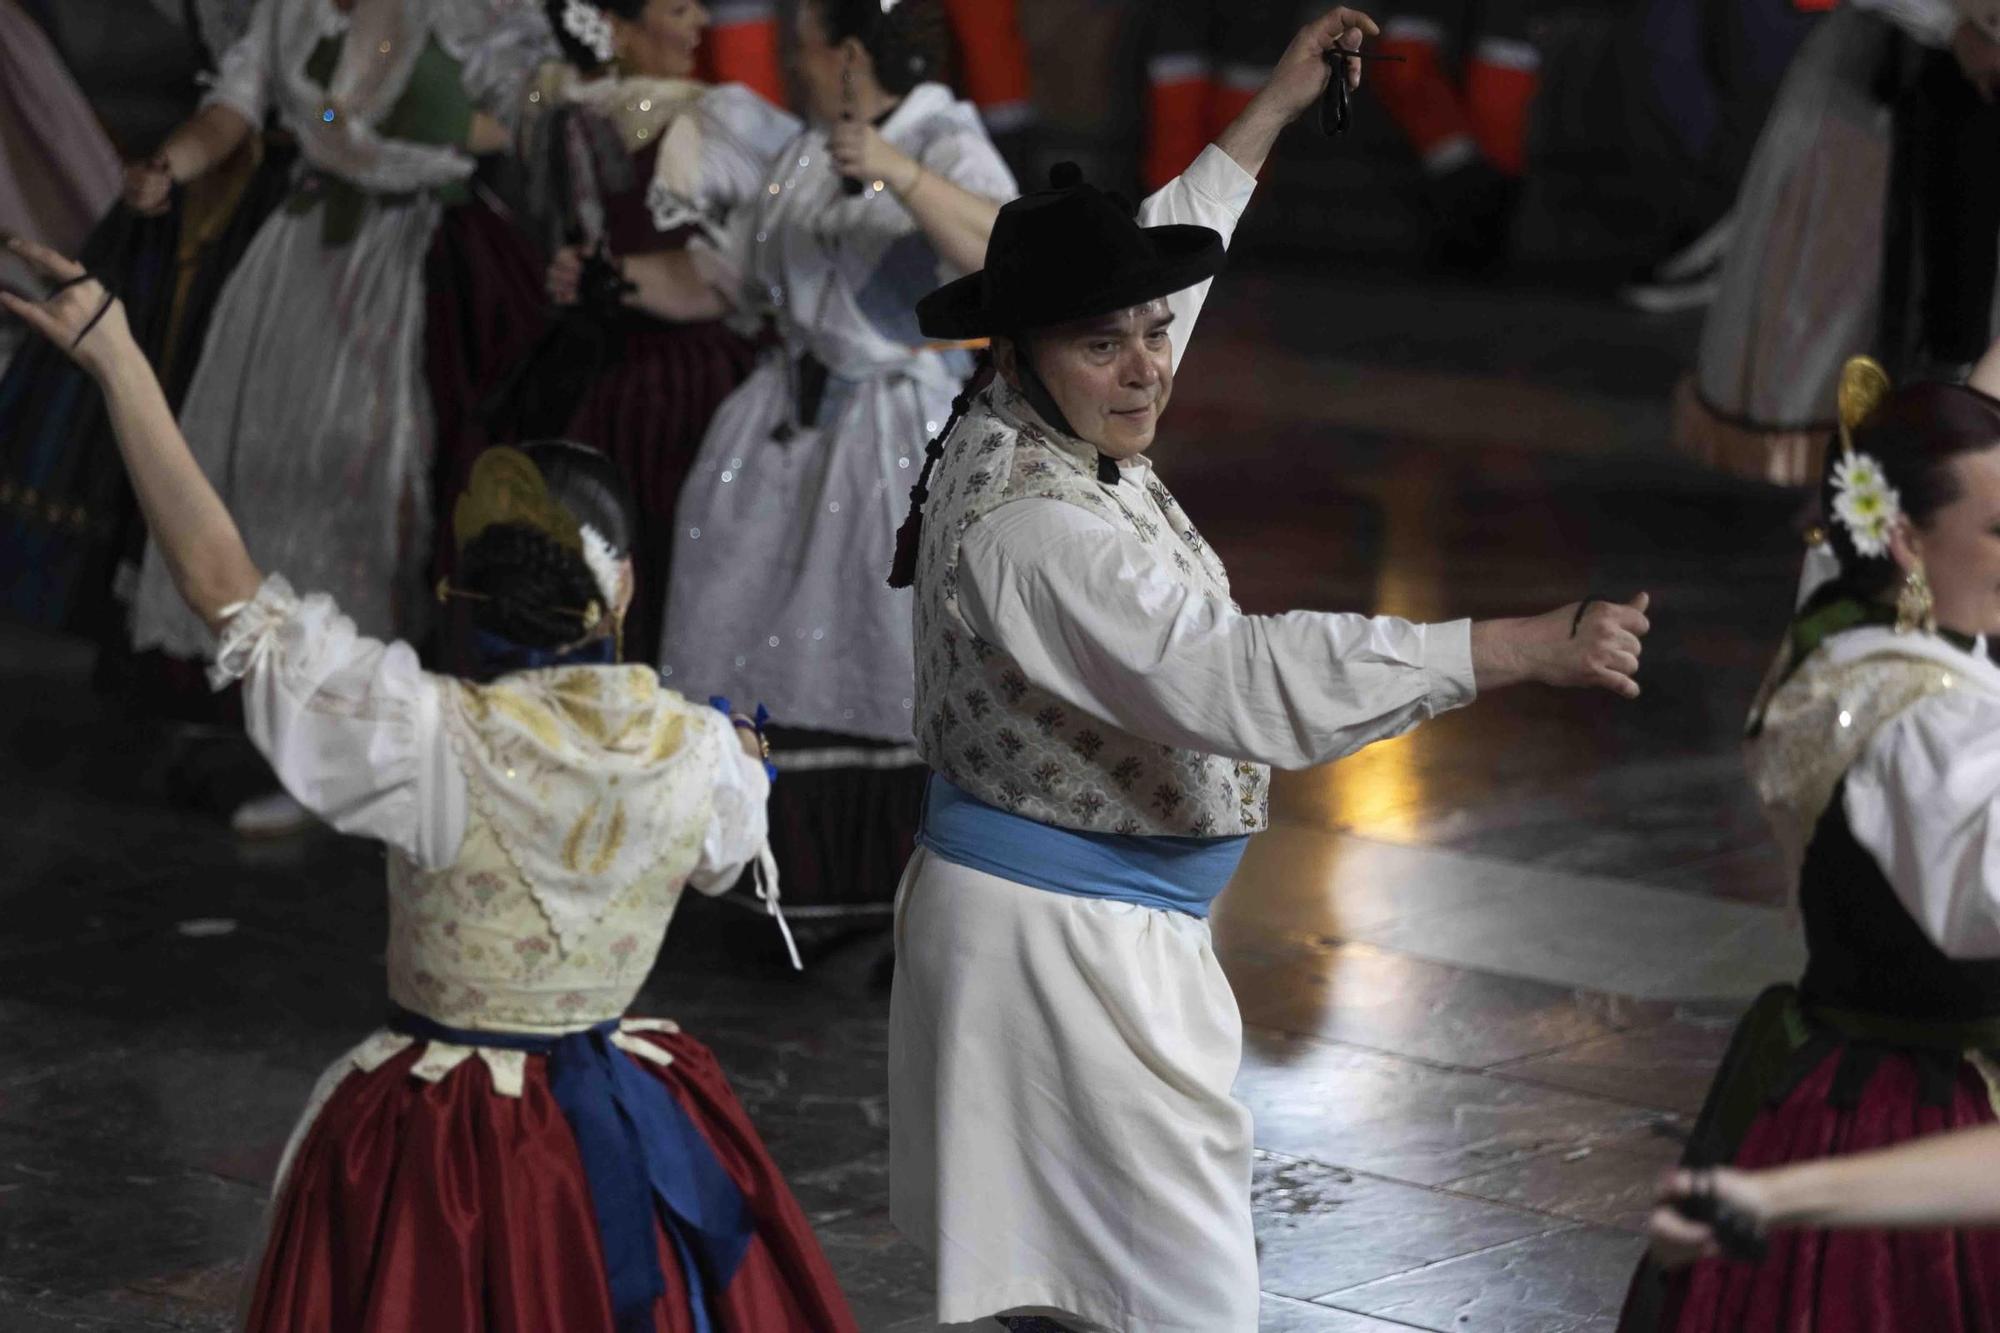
<point x="199" y="539"/>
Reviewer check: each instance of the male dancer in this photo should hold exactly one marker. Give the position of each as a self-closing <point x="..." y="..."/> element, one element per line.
<point x="1098" y="716"/>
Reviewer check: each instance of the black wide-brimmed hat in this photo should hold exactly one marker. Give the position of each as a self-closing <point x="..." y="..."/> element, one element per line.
<point x="1065" y="253"/>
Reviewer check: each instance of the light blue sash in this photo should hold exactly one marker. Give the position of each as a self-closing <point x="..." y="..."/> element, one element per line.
<point x="1173" y="874"/>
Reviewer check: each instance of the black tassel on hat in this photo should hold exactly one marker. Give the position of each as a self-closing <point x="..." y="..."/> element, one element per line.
<point x="903" y="570"/>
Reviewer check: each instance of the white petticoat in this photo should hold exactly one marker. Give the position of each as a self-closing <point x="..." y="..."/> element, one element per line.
<point x="1061" y="1130"/>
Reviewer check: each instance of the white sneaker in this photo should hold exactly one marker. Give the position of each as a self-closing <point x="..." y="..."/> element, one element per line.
<point x="1689" y="278"/>
<point x="274" y="816"/>
<point x="1664" y="298"/>
<point x="1705" y="251"/>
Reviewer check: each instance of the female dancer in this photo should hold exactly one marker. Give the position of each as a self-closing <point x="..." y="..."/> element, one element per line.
<point x="586" y="1170"/>
<point x="789" y="516"/>
<point x="600" y="128"/>
<point x="308" y="395"/>
<point x="1806" y="281"/>
<point x="71" y="538"/>
<point x="1871" y="749"/>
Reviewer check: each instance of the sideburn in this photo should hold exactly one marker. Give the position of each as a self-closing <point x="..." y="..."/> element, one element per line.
<point x="1037" y="393"/>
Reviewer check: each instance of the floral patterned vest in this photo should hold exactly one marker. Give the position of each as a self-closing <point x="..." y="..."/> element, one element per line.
<point x="983" y="725"/>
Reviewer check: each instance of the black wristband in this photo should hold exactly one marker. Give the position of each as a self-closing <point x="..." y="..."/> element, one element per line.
<point x="1581" y="607"/>
<point x="84" y="332"/>
<point x="1737" y="1233"/>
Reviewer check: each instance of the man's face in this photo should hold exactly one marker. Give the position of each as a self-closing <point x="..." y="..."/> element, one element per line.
<point x="1110" y="374"/>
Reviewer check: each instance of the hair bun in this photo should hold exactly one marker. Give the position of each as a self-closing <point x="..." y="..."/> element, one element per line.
<point x="1065" y="176"/>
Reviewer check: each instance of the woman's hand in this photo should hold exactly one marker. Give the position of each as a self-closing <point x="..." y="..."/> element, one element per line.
<point x="564" y="281"/>
<point x="485" y="135"/>
<point x="203" y="550"/>
<point x="1679" y="1240"/>
<point x="1595" y="644"/>
<point x="149" y="185"/>
<point x="79" y="316"/>
<point x="1978" y="58"/>
<point x="861" y="153"/>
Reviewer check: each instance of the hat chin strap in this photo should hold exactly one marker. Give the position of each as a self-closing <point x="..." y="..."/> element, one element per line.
<point x="1044" y="403"/>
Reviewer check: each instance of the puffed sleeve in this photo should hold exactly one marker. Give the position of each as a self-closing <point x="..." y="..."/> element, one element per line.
<point x="968" y="159"/>
<point x="1092" y="616"/>
<point x="1921" y="799"/>
<point x="1931" y="22"/>
<point x="1212" y="193"/>
<point x="713" y="160"/>
<point x="242" y="77"/>
<point x="737" y="828"/>
<point x="351" y="725"/>
<point x="500" y="46"/>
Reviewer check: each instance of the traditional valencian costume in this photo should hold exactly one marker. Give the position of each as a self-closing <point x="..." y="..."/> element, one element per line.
<point x="308" y="408"/>
<point x="70" y="535"/>
<point x="639" y="166"/>
<point x="790" y="511"/>
<point x="511" y="1151"/>
<point x="1823" y="240"/>
<point x="1097" y="715"/>
<point x="1871" y="748"/>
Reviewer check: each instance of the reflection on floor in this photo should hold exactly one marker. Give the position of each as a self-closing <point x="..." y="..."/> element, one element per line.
<point x="1485" y="969"/>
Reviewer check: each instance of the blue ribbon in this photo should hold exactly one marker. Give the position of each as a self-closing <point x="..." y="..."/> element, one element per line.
<point x="720" y="703"/>
<point x="500" y="655"/>
<point x="644" y="1159"/>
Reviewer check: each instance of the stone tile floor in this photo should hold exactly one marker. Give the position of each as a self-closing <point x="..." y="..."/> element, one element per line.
<point x="1485" y="969"/>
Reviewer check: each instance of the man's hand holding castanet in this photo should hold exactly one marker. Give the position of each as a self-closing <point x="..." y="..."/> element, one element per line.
<point x="1590" y="644"/>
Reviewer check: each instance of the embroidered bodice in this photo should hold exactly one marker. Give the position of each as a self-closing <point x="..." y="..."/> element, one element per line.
<point x="541" y="828"/>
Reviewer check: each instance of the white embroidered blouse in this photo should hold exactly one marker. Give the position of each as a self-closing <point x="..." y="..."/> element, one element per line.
<point x="1924" y="795"/>
<point x="541" y="828"/>
<point x="354" y="728"/>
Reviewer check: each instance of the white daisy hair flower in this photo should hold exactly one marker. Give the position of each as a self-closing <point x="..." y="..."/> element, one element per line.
<point x="603" y="562"/>
<point x="592" y="30"/>
<point x="1865" y="503"/>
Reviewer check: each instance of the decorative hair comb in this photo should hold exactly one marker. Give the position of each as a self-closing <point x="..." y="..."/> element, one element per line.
<point x="1863" y="500"/>
<point x="507" y="487"/>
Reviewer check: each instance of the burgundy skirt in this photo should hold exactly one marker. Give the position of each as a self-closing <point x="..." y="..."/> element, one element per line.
<point x="447" y="1208"/>
<point x="505" y="367"/>
<point x="647" y="405"/>
<point x="1849" y="1281"/>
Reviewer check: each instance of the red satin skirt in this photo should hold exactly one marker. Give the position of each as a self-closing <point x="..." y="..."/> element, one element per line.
<point x="419" y="1207"/>
<point x="1850" y="1281"/>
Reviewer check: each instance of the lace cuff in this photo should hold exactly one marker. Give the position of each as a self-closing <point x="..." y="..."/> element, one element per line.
<point x="249" y="631"/>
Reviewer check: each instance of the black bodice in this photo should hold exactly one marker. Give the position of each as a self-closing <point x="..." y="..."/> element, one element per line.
<point x="1865" y="951"/>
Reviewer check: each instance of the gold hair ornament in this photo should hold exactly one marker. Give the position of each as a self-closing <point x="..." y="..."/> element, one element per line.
<point x="507" y="487"/>
<point x="1863" y="500"/>
<point x="1863" y="386"/>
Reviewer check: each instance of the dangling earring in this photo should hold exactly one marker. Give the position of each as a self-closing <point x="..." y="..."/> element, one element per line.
<point x="1914" y="606"/>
